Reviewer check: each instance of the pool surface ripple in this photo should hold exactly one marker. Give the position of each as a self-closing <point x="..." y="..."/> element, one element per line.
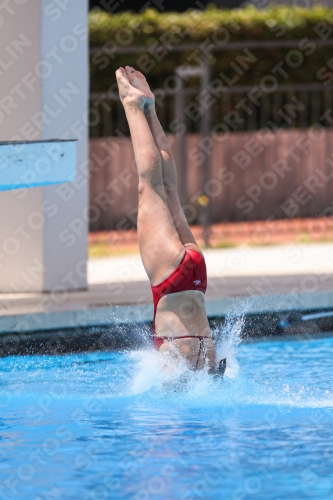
<point x="117" y="426"/>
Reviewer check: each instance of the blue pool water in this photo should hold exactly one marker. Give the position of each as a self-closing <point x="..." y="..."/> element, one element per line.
<point x="117" y="426"/>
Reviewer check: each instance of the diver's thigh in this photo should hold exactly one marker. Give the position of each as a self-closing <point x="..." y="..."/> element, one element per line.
<point x="160" y="247"/>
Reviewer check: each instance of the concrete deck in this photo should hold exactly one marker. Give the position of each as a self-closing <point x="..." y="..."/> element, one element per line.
<point x="243" y="279"/>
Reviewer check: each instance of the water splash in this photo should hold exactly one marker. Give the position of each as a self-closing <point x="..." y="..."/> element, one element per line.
<point x="278" y="373"/>
<point x="169" y="373"/>
<point x="228" y="337"/>
<point x="268" y="375"/>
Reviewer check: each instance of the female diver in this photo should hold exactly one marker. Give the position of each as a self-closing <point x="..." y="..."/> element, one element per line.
<point x="171" y="257"/>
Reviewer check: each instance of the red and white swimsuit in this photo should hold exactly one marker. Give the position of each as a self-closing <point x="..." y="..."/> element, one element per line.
<point x="190" y="274"/>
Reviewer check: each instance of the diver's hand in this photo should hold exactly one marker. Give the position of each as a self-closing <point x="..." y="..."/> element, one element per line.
<point x="220" y="370"/>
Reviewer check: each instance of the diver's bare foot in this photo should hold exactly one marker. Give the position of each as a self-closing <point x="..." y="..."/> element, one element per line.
<point x="129" y="95"/>
<point x="138" y="80"/>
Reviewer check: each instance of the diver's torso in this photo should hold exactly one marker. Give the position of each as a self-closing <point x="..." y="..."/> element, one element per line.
<point x="182" y="313"/>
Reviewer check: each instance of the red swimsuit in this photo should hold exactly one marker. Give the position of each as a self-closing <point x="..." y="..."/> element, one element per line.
<point x="190" y="274"/>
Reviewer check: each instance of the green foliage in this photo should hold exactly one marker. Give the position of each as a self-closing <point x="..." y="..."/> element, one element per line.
<point x="267" y="68"/>
<point x="209" y="26"/>
<point x="244" y="24"/>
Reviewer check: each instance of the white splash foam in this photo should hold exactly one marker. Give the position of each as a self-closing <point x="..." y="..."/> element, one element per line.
<point x="155" y="369"/>
<point x="168" y="372"/>
<point x="228" y="337"/>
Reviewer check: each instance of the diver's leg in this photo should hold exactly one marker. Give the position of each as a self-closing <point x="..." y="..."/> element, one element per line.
<point x="168" y="164"/>
<point x="160" y="247"/>
<point x="170" y="181"/>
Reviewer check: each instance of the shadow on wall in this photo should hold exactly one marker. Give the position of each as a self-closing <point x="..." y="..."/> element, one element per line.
<point x="114" y="6"/>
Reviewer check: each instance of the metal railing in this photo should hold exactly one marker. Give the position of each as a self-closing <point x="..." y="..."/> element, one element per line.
<point x="310" y="100"/>
<point x="290" y="106"/>
<point x="182" y="47"/>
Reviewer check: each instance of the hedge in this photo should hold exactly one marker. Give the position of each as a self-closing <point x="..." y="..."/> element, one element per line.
<point x="247" y="24"/>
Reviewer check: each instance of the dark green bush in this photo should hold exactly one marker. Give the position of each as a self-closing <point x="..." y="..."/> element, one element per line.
<point x="248" y="24"/>
<point x="301" y="64"/>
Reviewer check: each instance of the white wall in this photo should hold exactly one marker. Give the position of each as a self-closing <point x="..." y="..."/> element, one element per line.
<point x="48" y="76"/>
<point x="65" y="36"/>
<point x="20" y="245"/>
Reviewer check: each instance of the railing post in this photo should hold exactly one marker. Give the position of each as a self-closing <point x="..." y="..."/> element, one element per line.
<point x="181" y="140"/>
<point x="205" y="134"/>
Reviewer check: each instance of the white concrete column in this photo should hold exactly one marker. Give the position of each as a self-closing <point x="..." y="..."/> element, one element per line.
<point x="44" y="95"/>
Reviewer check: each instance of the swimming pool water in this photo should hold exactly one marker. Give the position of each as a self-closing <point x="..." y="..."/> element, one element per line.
<point x="116" y="426"/>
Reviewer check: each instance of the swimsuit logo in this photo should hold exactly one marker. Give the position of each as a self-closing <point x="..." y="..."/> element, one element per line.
<point x="197" y="282"/>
